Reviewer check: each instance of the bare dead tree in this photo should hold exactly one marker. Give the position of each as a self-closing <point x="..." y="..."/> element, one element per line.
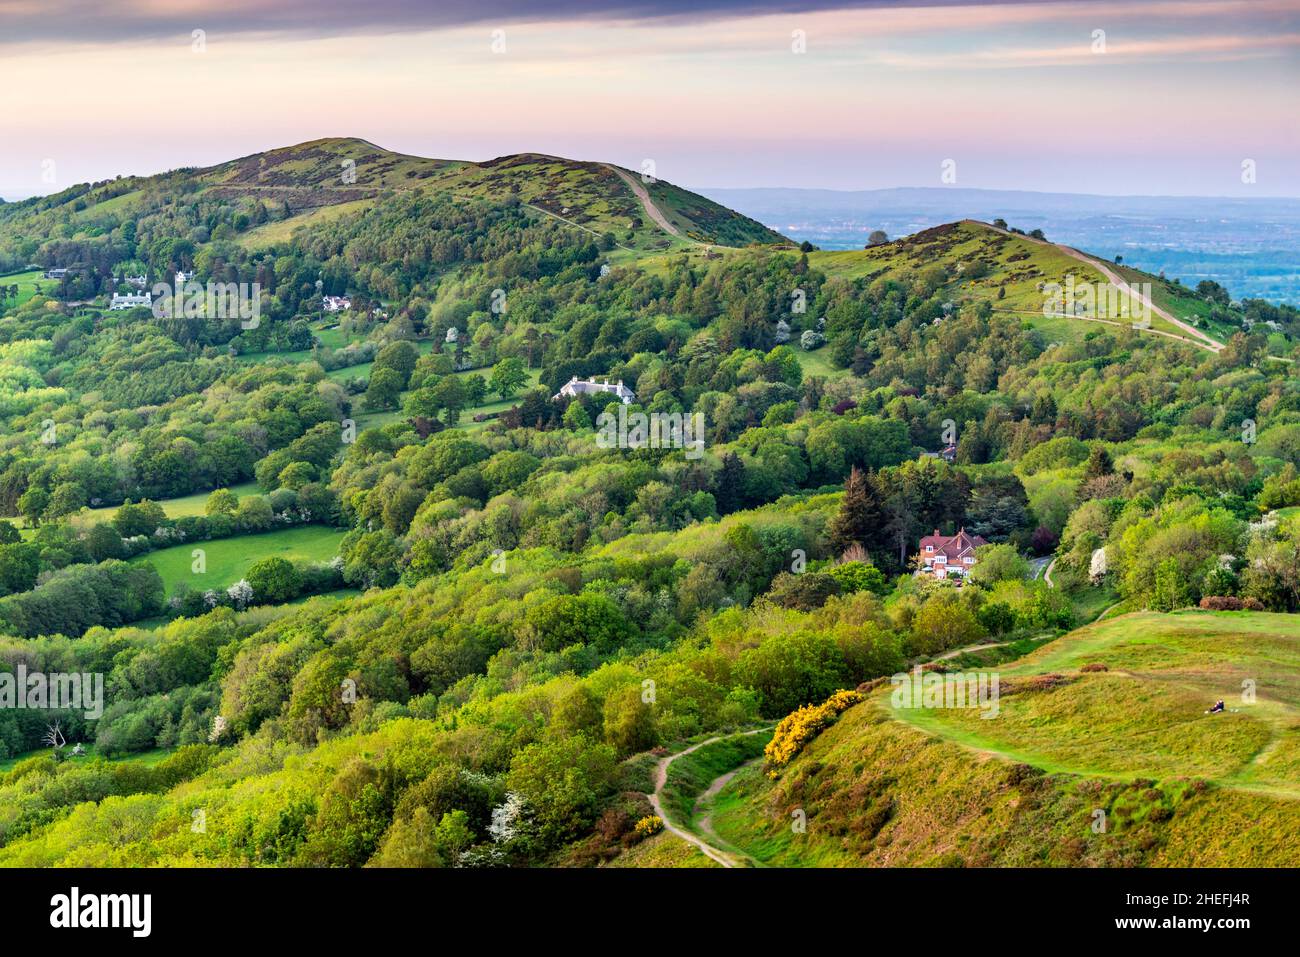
<point x="54" y="736"/>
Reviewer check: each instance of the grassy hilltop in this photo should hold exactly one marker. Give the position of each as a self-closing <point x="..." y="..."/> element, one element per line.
<point x="323" y="179"/>
<point x="889" y="787"/>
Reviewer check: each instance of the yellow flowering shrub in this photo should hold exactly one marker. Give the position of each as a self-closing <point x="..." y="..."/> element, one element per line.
<point x="800" y="727"/>
<point x="649" y="825"/>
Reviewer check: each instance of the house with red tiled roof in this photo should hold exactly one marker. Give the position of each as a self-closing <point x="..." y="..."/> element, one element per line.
<point x="949" y="556"/>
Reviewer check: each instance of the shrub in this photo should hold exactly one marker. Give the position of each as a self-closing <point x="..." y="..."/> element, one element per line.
<point x="649" y="826"/>
<point x="803" y="592"/>
<point x="855" y="576"/>
<point x="1231" y="603"/>
<point x="797" y="729"/>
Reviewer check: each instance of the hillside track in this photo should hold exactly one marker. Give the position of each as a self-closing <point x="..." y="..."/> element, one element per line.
<point x="656" y="800"/>
<point x="653" y="211"/>
<point x="1197" y="336"/>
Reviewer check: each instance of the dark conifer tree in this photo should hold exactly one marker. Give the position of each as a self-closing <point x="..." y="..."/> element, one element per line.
<point x="730" y="495"/>
<point x="860" y="518"/>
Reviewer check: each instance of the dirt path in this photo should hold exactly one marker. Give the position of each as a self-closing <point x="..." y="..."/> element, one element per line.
<point x="1116" y="281"/>
<point x="661" y="778"/>
<point x="572" y="223"/>
<point x="961" y="651"/>
<point x="703" y="817"/>
<point x="1120" y="325"/>
<point x="1107" y="612"/>
<point x="653" y="211"/>
<point x="1047" y="573"/>
<point x="1198" y="337"/>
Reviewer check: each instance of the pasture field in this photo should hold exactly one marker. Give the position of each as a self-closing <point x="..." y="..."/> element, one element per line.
<point x="228" y="559"/>
<point x="186" y="505"/>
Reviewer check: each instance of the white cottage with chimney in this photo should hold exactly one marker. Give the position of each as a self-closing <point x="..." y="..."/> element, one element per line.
<point x="576" y="387"/>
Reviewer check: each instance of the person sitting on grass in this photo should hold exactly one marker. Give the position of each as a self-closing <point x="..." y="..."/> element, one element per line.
<point x="1218" y="706"/>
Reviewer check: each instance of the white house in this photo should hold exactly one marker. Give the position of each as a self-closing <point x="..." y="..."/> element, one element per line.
<point x="183" y="277"/>
<point x="337" y="303"/>
<point x="130" y="301"/>
<point x="575" y="387"/>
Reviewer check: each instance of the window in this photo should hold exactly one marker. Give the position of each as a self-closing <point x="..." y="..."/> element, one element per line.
<point x="929" y="548"/>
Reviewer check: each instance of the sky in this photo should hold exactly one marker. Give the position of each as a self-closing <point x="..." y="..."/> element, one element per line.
<point x="1168" y="97"/>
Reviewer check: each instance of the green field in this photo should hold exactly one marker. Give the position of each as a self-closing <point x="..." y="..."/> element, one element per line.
<point x="147" y="758"/>
<point x="187" y="505"/>
<point x="28" y="283"/>
<point x="229" y="558"/>
<point x="1163" y="672"/>
<point x="817" y="362"/>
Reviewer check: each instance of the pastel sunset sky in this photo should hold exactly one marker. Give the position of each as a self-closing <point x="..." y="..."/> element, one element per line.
<point x="1171" y="100"/>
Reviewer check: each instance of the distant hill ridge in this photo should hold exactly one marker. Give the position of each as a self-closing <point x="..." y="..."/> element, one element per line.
<point x="334" y="171"/>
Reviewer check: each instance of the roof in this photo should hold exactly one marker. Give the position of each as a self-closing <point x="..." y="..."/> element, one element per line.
<point x="952" y="547"/>
<point x="576" y="386"/>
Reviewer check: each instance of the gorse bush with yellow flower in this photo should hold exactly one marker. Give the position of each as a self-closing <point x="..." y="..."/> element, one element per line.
<point x="649" y="826"/>
<point x="804" y="724"/>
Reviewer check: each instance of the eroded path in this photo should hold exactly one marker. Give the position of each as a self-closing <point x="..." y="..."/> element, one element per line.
<point x="725" y="858"/>
<point x="643" y="196"/>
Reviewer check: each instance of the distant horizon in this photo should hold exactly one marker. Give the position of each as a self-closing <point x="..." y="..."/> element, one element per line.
<point x="1181" y="98"/>
<point x="13" y="197"/>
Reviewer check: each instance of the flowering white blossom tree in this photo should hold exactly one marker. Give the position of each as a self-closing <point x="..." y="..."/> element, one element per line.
<point x="218" y="729"/>
<point x="505" y="819"/>
<point x="241" y="593"/>
<point x="1097" y="568"/>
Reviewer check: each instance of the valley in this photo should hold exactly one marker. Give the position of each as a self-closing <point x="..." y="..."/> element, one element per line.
<point x="368" y="589"/>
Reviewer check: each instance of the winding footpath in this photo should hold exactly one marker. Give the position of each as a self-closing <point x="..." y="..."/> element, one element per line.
<point x="656" y="800"/>
<point x="1111" y="277"/>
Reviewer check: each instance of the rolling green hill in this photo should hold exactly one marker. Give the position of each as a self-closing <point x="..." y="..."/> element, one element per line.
<point x="894" y="786"/>
<point x="974" y="260"/>
<point x="324" y="178"/>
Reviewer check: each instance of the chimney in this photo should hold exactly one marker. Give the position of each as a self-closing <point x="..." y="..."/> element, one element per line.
<point x="936" y="533"/>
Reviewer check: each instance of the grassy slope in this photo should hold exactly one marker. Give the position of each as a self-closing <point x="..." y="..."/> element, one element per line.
<point x="663" y="850"/>
<point x="269" y="234"/>
<point x="1179" y="787"/>
<point x="705" y="220"/>
<point x="145" y="758"/>
<point x="182" y="507"/>
<point x="28" y="283"/>
<point x="310" y="178"/>
<point x="1017" y="264"/>
<point x="691" y="774"/>
<point x="228" y="558"/>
